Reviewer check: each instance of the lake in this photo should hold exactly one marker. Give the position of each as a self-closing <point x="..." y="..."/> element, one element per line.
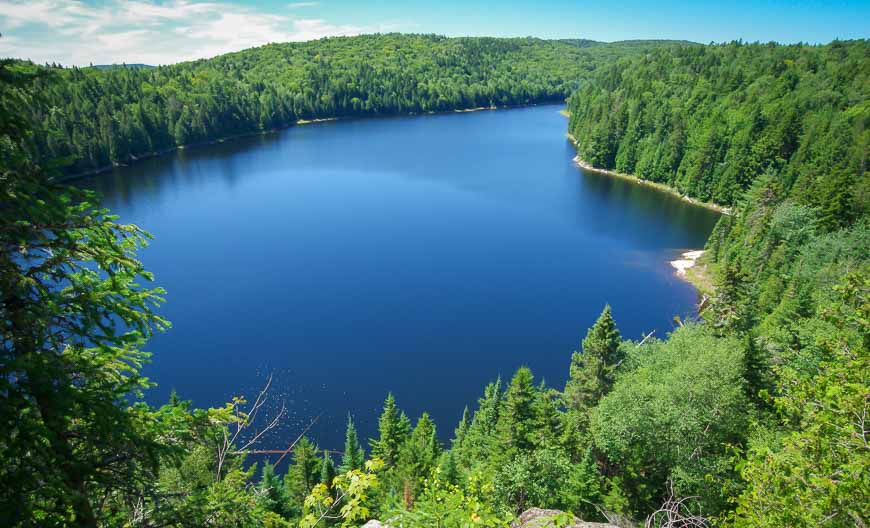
<point x="419" y="255"/>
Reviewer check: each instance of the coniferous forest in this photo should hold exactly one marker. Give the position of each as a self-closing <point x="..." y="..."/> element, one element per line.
<point x="755" y="413"/>
<point x="100" y="116"/>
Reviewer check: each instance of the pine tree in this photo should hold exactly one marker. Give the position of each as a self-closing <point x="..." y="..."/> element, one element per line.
<point x="393" y="427"/>
<point x="419" y="454"/>
<point x="548" y="424"/>
<point x="404" y="427"/>
<point x="354" y="456"/>
<point x="583" y="486"/>
<point x="304" y="473"/>
<point x="756" y="370"/>
<point x="591" y="371"/>
<point x="730" y="311"/>
<point x="327" y="470"/>
<point x="449" y="468"/>
<point x="272" y="495"/>
<point x="461" y="430"/>
<point x="174" y="400"/>
<point x="421" y="449"/>
<point x="837" y="199"/>
<point x="603" y="338"/>
<point x="481" y="431"/>
<point x="517" y="423"/>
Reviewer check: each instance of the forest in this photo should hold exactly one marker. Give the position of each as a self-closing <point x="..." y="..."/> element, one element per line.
<point x="101" y="116"/>
<point x="710" y="120"/>
<point x="755" y="413"/>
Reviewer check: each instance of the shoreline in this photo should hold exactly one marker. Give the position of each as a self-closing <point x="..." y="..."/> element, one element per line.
<point x="690" y="258"/>
<point x="692" y="269"/>
<point x="585" y="165"/>
<point x="299" y="122"/>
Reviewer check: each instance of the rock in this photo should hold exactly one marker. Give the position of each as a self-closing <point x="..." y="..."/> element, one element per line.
<point x="538" y="518"/>
<point x="374" y="524"/>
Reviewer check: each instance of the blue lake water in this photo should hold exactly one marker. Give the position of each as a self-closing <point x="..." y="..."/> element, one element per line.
<point x="419" y="255"/>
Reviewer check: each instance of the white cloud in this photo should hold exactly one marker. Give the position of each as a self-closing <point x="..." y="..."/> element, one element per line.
<point x="71" y="32"/>
<point x="50" y="13"/>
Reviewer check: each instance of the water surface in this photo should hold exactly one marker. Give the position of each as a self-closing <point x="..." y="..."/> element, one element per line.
<point x="420" y="255"/>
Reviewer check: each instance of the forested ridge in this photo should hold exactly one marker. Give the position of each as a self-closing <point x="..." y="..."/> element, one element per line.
<point x="709" y="120"/>
<point x="755" y="413"/>
<point x="100" y="116"/>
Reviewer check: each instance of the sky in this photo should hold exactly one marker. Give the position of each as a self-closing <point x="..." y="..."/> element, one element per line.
<point x="82" y="32"/>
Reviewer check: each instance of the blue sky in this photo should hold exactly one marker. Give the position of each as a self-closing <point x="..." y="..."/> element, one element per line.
<point x="167" y="31"/>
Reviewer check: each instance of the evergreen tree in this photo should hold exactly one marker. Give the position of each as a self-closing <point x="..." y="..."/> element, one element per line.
<point x="756" y="371"/>
<point x="583" y="490"/>
<point x="354" y="456"/>
<point x="730" y="312"/>
<point x="75" y="309"/>
<point x="174" y="400"/>
<point x="394" y="427"/>
<point x="272" y="494"/>
<point x="418" y="456"/>
<point x="589" y="379"/>
<point x="327" y="470"/>
<point x="404" y="427"/>
<point x="548" y="423"/>
<point x="481" y="433"/>
<point x="461" y="429"/>
<point x="603" y="339"/>
<point x="449" y="468"/>
<point x="516" y="425"/>
<point x="421" y="449"/>
<point x="591" y="373"/>
<point x="304" y="473"/>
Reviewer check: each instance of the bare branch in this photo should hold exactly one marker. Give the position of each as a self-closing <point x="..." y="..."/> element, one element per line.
<point x="291" y="446"/>
<point x="675" y="513"/>
<point x="243" y="421"/>
<point x="645" y="338"/>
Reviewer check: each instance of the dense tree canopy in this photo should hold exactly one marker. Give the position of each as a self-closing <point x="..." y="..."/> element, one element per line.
<point x="99" y="116"/>
<point x="710" y="120"/>
<point x="757" y="410"/>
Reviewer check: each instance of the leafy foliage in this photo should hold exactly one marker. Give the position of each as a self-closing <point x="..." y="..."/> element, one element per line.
<point x="672" y="416"/>
<point x="758" y="411"/>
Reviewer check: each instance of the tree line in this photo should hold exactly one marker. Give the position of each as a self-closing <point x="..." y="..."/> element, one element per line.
<point x="96" y="117"/>
<point x="710" y="120"/>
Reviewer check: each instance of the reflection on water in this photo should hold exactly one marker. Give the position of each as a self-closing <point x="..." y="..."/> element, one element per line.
<point x="420" y="255"/>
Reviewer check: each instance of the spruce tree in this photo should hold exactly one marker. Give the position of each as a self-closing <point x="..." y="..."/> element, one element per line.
<point x="756" y="372"/>
<point x="419" y="454"/>
<point x="730" y="311"/>
<point x="354" y="456"/>
<point x="449" y="468"/>
<point x="603" y="338"/>
<point x="481" y="431"/>
<point x="404" y="427"/>
<point x="327" y="470"/>
<point x="591" y="371"/>
<point x="393" y="427"/>
<point x="421" y="449"/>
<point x="461" y="430"/>
<point x="304" y="473"/>
<point x="174" y="400"/>
<point x="548" y="424"/>
<point x="272" y="495"/>
<point x="517" y="423"/>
